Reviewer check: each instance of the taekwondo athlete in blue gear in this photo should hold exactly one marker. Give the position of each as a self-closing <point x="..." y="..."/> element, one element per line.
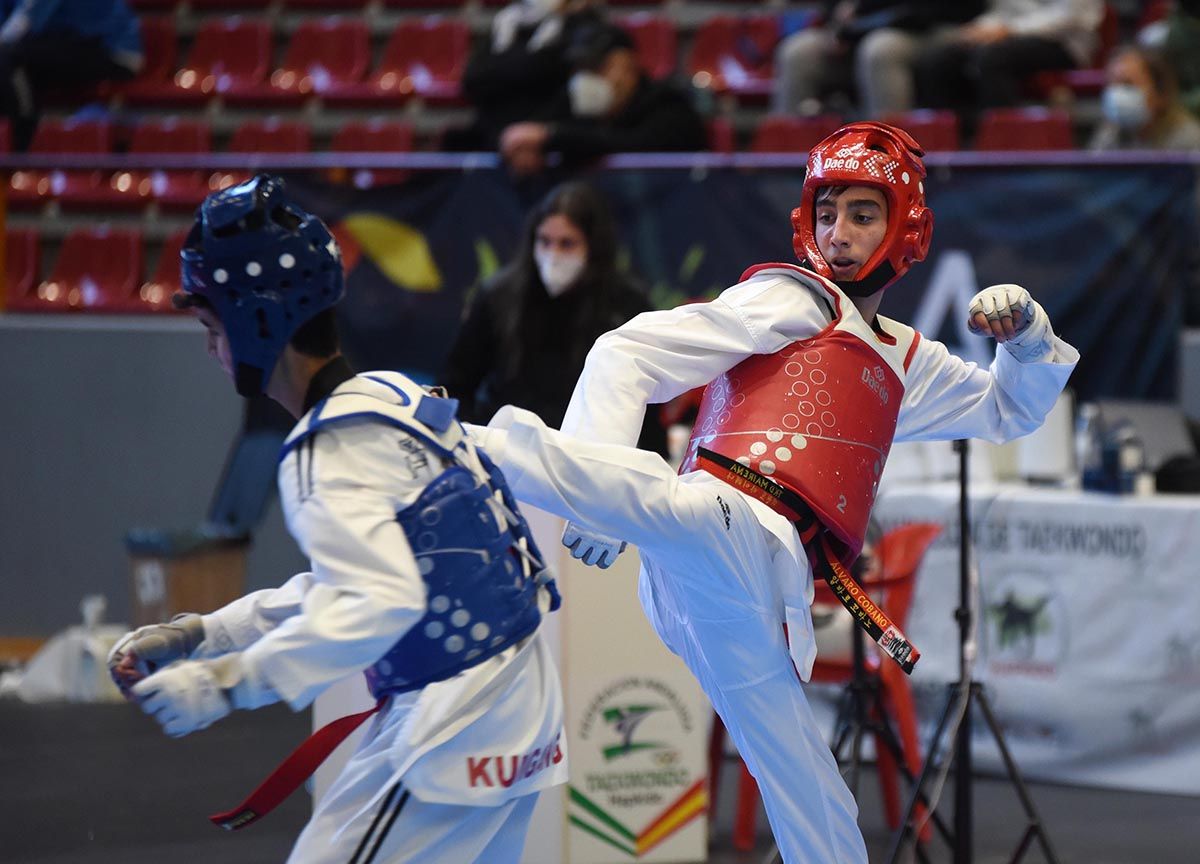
<point x="424" y="573"/>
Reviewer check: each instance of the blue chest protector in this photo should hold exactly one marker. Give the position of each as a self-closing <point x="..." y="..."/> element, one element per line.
<point x="474" y="549"/>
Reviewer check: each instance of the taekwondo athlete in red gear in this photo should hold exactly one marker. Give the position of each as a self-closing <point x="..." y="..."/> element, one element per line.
<point x="424" y="574"/>
<point x="807" y="388"/>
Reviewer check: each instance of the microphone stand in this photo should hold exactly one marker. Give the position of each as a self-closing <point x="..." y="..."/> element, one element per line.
<point x="961" y="695"/>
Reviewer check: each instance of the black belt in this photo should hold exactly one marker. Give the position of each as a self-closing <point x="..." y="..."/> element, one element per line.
<point x="821" y="553"/>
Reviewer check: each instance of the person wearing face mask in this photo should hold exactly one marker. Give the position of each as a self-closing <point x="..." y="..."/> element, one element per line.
<point x="1177" y="38"/>
<point x="1141" y="106"/>
<point x="527" y="330"/>
<point x="518" y="72"/>
<point x="610" y="106"/>
<point x="807" y="386"/>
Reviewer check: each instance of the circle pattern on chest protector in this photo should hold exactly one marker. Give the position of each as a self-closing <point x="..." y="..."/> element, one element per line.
<point x="431" y="515"/>
<point x="435" y="629"/>
<point x="440" y="604"/>
<point x="812" y="409"/>
<point x="425" y="565"/>
<point x="454" y="644"/>
<point x="480" y="631"/>
<point x="460" y="618"/>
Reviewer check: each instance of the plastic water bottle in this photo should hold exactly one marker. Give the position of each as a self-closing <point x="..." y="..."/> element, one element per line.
<point x="1131" y="457"/>
<point x="1089" y="447"/>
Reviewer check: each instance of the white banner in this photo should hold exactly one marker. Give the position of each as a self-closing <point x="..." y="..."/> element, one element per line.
<point x="1088" y="622"/>
<point x="637" y="727"/>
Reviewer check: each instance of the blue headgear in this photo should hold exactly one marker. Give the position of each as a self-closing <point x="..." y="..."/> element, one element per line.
<point x="266" y="266"/>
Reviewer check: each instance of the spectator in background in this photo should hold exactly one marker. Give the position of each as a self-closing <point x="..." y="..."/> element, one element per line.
<point x="520" y="71"/>
<point x="611" y="106"/>
<point x="527" y="330"/>
<point x="983" y="64"/>
<point x="61" y="44"/>
<point x="870" y="44"/>
<point x="1177" y="38"/>
<point x="1141" y="106"/>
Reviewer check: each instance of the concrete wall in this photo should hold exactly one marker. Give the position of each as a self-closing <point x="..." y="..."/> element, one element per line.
<point x="107" y="423"/>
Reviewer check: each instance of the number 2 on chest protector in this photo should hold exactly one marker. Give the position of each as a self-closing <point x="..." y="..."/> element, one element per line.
<point x="841" y="505"/>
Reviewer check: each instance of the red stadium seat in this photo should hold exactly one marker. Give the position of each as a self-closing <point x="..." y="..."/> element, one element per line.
<point x="784" y="133"/>
<point x="424" y="57"/>
<point x="5" y="136"/>
<point x="655" y="41"/>
<point x="735" y="55"/>
<point x="22" y="265"/>
<point x="340" y="5"/>
<point x="228" y="53"/>
<point x="426" y="4"/>
<point x="256" y="5"/>
<point x="1024" y="129"/>
<point x="155" y="293"/>
<point x="721" y="135"/>
<point x="172" y="189"/>
<point x="29" y="188"/>
<point x="158" y="67"/>
<point x="374" y="136"/>
<point x="262" y="136"/>
<point x="934" y="130"/>
<point x="98" y="269"/>
<point x="323" y="52"/>
<point x="271" y="136"/>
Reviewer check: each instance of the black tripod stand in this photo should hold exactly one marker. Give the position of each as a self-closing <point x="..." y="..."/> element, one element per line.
<point x="960" y="697"/>
<point x="861" y="711"/>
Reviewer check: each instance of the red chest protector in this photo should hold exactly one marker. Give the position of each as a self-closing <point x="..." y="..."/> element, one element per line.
<point x="814" y="420"/>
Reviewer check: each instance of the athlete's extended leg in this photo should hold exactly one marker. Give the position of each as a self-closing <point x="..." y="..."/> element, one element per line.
<point x="627" y="493"/>
<point x="812" y="813"/>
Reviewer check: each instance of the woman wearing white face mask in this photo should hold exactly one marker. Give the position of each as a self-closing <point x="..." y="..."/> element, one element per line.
<point x="1141" y="106"/>
<point x="527" y="330"/>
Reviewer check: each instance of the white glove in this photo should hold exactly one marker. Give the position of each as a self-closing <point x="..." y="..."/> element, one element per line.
<point x="184" y="697"/>
<point x="148" y="649"/>
<point x="1014" y="318"/>
<point x="592" y="547"/>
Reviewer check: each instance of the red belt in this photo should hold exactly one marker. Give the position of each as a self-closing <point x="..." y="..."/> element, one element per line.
<point x="821" y="554"/>
<point x="292" y="772"/>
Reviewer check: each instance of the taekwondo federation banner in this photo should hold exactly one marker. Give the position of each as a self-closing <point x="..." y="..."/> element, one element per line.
<point x="637" y="726"/>
<point x="1109" y="251"/>
<point x="1087" y="630"/>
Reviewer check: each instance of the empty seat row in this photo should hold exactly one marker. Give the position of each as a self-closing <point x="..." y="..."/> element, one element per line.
<point x="327" y="57"/>
<point x="1004" y="129"/>
<point x="96" y="270"/>
<point x="423" y="57"/>
<point x="78" y="187"/>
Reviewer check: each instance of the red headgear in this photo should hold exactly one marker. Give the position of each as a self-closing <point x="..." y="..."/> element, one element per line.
<point x="888" y="159"/>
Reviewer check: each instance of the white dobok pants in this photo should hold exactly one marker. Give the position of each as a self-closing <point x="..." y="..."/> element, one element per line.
<point x="711" y="585"/>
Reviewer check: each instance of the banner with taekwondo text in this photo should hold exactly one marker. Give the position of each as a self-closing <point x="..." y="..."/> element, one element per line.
<point x="1110" y="252"/>
<point x="1087" y="630"/>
